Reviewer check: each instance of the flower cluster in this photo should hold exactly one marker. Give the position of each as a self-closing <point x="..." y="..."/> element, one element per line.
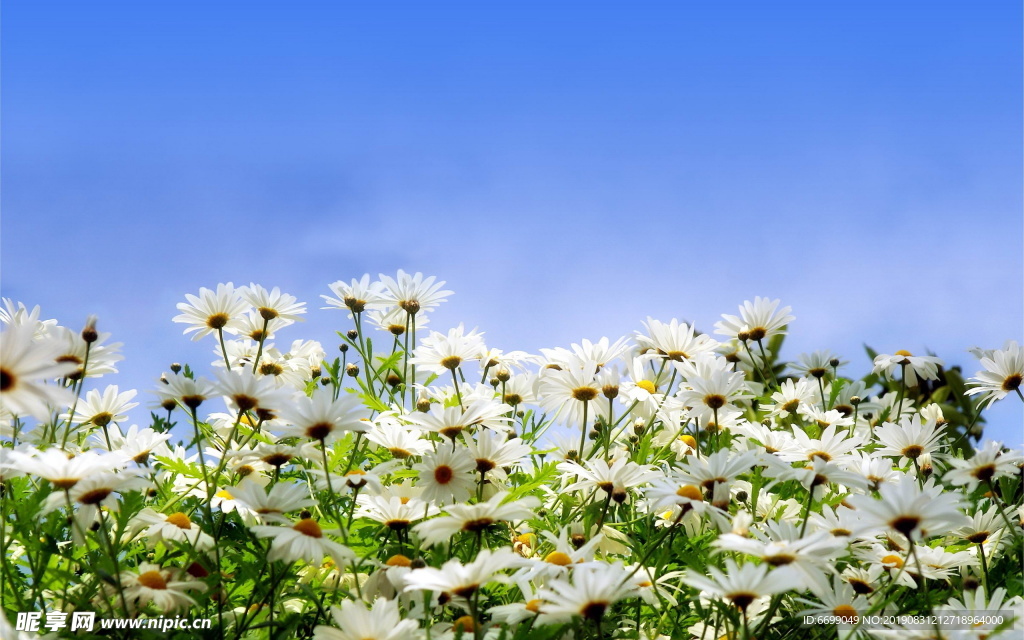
<point x="418" y="483"/>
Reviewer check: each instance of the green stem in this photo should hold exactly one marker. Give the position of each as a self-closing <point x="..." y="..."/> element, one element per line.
<point x="583" y="430"/>
<point x="259" y="350"/>
<point x="223" y="349"/>
<point x="903" y="390"/>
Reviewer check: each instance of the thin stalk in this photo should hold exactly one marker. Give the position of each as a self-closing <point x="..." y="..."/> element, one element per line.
<point x="223" y="349"/>
<point x="583" y="431"/>
<point x="768" y="365"/>
<point x="903" y="390"/>
<point x="259" y="350"/>
<point x="458" y="394"/>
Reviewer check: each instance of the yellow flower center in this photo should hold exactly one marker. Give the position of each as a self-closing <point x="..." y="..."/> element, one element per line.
<point x="398" y="560"/>
<point x="647" y="386"/>
<point x="559" y="558"/>
<point x="534" y="605"/>
<point x="465" y="624"/>
<point x="179" y="520"/>
<point x="309" y="527"/>
<point x="845" y="612"/>
<point x="690" y="491"/>
<point x="152" y="580"/>
<point x="894" y="560"/>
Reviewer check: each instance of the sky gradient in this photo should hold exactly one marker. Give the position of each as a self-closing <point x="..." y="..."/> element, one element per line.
<point x="568" y="169"/>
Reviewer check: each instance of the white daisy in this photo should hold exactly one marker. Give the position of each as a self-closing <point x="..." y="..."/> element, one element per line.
<point x="163" y="587"/>
<point x="383" y="621"/>
<point x="476" y="518"/>
<point x="304" y="540"/>
<point x="212" y="311"/>
<point x="446" y="475"/>
<point x="176" y="527"/>
<point x="28" y="369"/>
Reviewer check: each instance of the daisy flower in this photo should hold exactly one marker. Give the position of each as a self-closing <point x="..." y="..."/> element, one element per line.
<point x="674" y="340"/>
<point x="1004" y="371"/>
<point x="401" y="442"/>
<point x="104" y="408"/>
<point x="476" y="518"/>
<point x="832" y="446"/>
<point x="818" y="474"/>
<point x="136" y="444"/>
<point x="414" y="293"/>
<point x="451" y="421"/>
<point x="985" y="466"/>
<point x="187" y="391"/>
<point x="707" y="394"/>
<point x="273" y="305"/>
<point x="382" y="621"/>
<point x="91" y="494"/>
<point x="304" y="540"/>
<point x="461" y="581"/>
<point x="910" y="439"/>
<point x="493" y="452"/>
<point x="17" y="314"/>
<point x="838" y="599"/>
<point x="758" y="320"/>
<point x="150" y="583"/>
<point x="916" y="513"/>
<point x="875" y="469"/>
<point x="615" y="479"/>
<point x="446" y="475"/>
<point x="394" y="512"/>
<point x="792" y="395"/>
<point x="567" y="390"/>
<point x="26" y="367"/>
<point x="357" y="295"/>
<point x="600" y="353"/>
<point x="62" y="470"/>
<point x="322" y="417"/>
<point x="212" y="311"/>
<point x="591" y="591"/>
<point x="741" y="584"/>
<point x="817" y="365"/>
<point x="439" y="353"/>
<point x="721" y="468"/>
<point x="913" y="367"/>
<point x="270" y="506"/>
<point x="176" y="527"/>
<point x="985" y="526"/>
<point x="246" y="391"/>
<point x="74" y="349"/>
<point x="811" y="558"/>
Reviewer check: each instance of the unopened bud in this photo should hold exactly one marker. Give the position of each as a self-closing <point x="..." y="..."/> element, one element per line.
<point x="352" y="370"/>
<point x="176" y="367"/>
<point x="343" y="348"/>
<point x="352" y="334"/>
<point x="503" y="374"/>
<point x="89" y="333"/>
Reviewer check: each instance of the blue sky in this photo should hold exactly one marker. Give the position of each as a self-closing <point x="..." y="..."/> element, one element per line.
<point x="568" y="168"/>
